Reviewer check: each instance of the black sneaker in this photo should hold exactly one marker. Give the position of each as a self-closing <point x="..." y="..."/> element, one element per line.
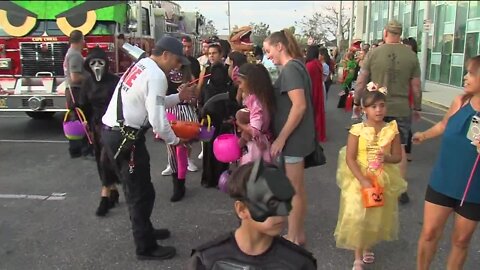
<point x="113" y="198"/>
<point x="159" y="253"/>
<point x="160" y="234"/>
<point x="102" y="209"/>
<point x="404" y="199"/>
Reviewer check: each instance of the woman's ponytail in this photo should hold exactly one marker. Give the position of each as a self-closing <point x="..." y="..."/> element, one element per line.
<point x="286" y="38"/>
<point x="292" y="46"/>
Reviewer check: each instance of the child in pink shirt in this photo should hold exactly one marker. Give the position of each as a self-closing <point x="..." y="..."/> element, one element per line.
<point x="255" y="82"/>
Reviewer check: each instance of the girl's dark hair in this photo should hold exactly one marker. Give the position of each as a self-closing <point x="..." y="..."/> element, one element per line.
<point x="412" y="42"/>
<point x="312" y="53"/>
<point x="474" y="64"/>
<point x="324" y="52"/>
<point x="370" y="97"/>
<point x="237" y="58"/>
<point x="286" y="38"/>
<point x="260" y="84"/>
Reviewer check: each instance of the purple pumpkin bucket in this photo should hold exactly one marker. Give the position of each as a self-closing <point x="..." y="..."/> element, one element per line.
<point x="223" y="181"/>
<point x="74" y="130"/>
<point x="206" y="132"/>
<point x="226" y="148"/>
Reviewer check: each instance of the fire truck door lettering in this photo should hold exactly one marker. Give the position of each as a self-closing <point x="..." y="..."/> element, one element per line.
<point x="132" y="76"/>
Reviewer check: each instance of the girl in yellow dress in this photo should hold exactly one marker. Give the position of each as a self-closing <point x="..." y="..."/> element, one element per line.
<point x="372" y="151"/>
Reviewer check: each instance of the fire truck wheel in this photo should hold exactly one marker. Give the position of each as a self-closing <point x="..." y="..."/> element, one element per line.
<point x="40" y="115"/>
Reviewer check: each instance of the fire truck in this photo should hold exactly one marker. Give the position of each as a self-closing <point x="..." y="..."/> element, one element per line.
<point x="34" y="41"/>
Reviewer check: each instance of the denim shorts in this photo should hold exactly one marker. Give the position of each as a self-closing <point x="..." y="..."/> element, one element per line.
<point x="293" y="160"/>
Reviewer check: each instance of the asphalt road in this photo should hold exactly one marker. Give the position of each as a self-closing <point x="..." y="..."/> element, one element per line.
<point x="65" y="234"/>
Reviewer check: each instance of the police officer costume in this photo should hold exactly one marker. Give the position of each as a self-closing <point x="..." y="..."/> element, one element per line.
<point x="139" y="101"/>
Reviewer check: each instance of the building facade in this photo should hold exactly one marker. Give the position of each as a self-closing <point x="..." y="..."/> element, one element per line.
<point x="453" y="29"/>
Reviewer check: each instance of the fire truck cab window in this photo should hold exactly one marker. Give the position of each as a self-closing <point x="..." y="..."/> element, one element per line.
<point x="145" y="22"/>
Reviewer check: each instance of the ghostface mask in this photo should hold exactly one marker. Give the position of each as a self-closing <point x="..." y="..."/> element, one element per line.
<point x="269" y="192"/>
<point x="97" y="65"/>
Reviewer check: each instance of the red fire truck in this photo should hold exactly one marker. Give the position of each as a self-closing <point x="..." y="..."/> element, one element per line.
<point x="34" y="41"/>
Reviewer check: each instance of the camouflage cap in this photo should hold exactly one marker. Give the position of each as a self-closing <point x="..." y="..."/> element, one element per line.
<point x="394" y="27"/>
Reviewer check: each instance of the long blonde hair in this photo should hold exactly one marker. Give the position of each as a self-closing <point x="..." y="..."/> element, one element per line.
<point x="286" y="38"/>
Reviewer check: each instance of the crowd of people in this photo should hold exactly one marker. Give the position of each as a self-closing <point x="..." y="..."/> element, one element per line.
<point x="284" y="93"/>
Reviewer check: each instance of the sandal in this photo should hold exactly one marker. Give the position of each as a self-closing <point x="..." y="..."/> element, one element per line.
<point x="368" y="257"/>
<point x="358" y="265"/>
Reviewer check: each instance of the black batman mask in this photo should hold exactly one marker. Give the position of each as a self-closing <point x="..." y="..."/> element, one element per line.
<point x="269" y="192"/>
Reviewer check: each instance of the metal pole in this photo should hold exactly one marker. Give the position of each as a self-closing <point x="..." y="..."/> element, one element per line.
<point x="424" y="53"/>
<point x="229" y="27"/>
<point x="391" y="5"/>
<point x="369" y="14"/>
<point x="350" y="30"/>
<point x="339" y="27"/>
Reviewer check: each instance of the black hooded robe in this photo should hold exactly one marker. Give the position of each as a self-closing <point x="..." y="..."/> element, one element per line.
<point x="97" y="95"/>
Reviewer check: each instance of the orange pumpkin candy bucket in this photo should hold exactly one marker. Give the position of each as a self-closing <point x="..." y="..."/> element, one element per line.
<point x="373" y="197"/>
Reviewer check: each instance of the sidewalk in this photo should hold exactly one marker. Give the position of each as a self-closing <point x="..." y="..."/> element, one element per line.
<point x="440" y="95"/>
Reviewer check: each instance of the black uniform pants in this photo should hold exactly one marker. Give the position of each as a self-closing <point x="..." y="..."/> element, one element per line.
<point x="137" y="186"/>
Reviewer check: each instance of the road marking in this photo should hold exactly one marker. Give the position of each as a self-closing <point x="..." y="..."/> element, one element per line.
<point x="431" y="113"/>
<point x="31" y="141"/>
<point x="51" y="197"/>
<point x="14" y="116"/>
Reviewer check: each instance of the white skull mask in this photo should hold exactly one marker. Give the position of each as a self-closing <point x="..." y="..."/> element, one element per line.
<point x="97" y="65"/>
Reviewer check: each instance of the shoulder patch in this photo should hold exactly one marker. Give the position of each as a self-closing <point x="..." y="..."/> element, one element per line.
<point x="297" y="249"/>
<point x="217" y="241"/>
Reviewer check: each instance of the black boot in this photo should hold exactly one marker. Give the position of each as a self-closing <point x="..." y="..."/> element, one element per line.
<point x="178" y="188"/>
<point x="113" y="198"/>
<point x="102" y="209"/>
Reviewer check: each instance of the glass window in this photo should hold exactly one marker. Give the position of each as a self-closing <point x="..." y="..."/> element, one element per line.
<point x="451" y="8"/>
<point x="406" y="24"/>
<point x="435" y="73"/>
<point x="103" y="28"/>
<point x="471" y="46"/>
<point x="439" y="27"/>
<point x="460" y="26"/>
<point x="474" y="11"/>
<point x="457" y="76"/>
<point x="401" y="6"/>
<point x="446" y="58"/>
<point x="145" y="22"/>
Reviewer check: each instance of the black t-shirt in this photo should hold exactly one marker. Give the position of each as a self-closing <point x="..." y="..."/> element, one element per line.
<point x="194" y="66"/>
<point x="224" y="254"/>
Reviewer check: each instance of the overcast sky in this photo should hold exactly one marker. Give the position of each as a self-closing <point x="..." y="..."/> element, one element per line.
<point x="277" y="14"/>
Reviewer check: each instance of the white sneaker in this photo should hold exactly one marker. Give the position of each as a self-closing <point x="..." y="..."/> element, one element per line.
<point x="167" y="171"/>
<point x="191" y="166"/>
<point x="200" y="156"/>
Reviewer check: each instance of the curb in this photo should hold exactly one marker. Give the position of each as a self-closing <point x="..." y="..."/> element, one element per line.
<point x="435" y="105"/>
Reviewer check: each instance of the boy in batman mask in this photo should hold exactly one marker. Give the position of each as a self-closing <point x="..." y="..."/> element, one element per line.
<point x="263" y="197"/>
<point x="98" y="89"/>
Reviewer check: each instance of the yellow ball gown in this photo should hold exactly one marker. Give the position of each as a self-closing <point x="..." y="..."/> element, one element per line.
<point x="357" y="226"/>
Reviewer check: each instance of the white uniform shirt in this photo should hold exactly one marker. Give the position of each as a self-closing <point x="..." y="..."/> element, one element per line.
<point x="143" y="95"/>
